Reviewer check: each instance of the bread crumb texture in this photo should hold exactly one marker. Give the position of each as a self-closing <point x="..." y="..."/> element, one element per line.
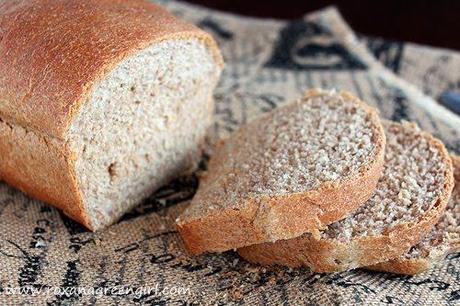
<point x="326" y="137"/>
<point x="445" y="234"/>
<point x="411" y="183"/>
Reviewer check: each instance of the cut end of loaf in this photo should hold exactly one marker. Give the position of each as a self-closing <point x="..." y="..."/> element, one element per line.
<point x="142" y="125"/>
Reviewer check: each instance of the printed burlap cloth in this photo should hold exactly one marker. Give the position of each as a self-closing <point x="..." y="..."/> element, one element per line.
<point x="55" y="261"/>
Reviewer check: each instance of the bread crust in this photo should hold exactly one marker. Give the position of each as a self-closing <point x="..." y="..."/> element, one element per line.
<point x="331" y="255"/>
<point x="40" y="167"/>
<point x="411" y="266"/>
<point x="285" y="217"/>
<point x="46" y="75"/>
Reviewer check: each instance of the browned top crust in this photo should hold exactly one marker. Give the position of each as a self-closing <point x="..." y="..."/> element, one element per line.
<point x="52" y="52"/>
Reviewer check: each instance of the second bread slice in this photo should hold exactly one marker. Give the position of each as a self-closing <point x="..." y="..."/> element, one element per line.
<point x="410" y="198"/>
<point x="294" y="170"/>
<point x="440" y="242"/>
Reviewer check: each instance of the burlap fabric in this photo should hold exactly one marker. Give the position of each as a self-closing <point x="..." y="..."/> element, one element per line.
<point x="268" y="62"/>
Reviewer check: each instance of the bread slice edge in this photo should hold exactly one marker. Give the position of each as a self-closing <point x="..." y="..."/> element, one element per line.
<point x="269" y="219"/>
<point x="329" y="255"/>
<point x="411" y="266"/>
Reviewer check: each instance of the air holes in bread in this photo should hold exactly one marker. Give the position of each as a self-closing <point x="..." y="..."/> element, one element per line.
<point x="112" y="169"/>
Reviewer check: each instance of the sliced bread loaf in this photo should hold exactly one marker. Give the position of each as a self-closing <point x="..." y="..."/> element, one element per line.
<point x="410" y="198"/>
<point x="441" y="241"/>
<point x="291" y="171"/>
<point x="101" y="102"/>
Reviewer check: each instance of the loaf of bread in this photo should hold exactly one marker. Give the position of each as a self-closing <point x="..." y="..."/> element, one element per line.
<point x="441" y="241"/>
<point x="410" y="198"/>
<point x="101" y="101"/>
<point x="294" y="170"/>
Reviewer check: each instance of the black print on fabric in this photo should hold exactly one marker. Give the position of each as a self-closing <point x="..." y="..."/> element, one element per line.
<point x="392" y="300"/>
<point x="31" y="268"/>
<point x="453" y="146"/>
<point x="73" y="228"/>
<point x="431" y="284"/>
<point x="399" y="107"/>
<point x="341" y="281"/>
<point x="229" y="119"/>
<point x="70" y="280"/>
<point x="307" y="45"/>
<point x="216" y="28"/>
<point x="387" y="52"/>
<point x="454" y="296"/>
<point x="178" y="191"/>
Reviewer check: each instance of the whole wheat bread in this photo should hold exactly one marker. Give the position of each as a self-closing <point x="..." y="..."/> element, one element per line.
<point x="291" y="171"/>
<point x="441" y="241"/>
<point x="410" y="198"/>
<point x="98" y="112"/>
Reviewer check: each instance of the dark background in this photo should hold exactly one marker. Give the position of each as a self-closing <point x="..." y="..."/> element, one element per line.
<point x="434" y="22"/>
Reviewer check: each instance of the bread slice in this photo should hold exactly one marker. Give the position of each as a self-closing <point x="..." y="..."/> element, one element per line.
<point x="291" y="171"/>
<point x="410" y="198"/>
<point x="98" y="112"/>
<point x="441" y="241"/>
